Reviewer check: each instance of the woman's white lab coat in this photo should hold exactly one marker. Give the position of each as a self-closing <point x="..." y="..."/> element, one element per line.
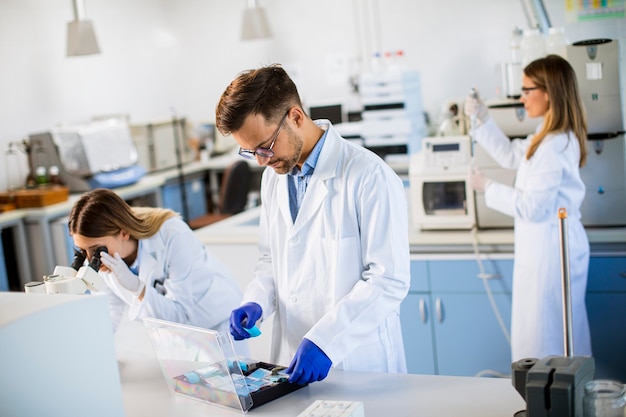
<point x="548" y="181"/>
<point x="199" y="290"/>
<point x="338" y="274"/>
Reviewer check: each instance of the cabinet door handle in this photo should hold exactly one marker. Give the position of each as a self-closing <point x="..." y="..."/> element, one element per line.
<point x="622" y="274"/>
<point x="439" y="310"/>
<point x="489" y="276"/>
<point x="422" y="310"/>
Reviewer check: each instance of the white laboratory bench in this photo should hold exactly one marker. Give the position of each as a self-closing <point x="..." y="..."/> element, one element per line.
<point x="243" y="229"/>
<point x="15" y="220"/>
<point x="145" y="392"/>
<point x="34" y="240"/>
<point x="448" y="306"/>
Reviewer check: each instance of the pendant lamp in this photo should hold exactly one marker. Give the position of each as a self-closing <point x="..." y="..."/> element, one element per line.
<point x="254" y="23"/>
<point x="81" y="38"/>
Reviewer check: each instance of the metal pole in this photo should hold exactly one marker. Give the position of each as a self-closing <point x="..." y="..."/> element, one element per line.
<point x="180" y="123"/>
<point x="566" y="284"/>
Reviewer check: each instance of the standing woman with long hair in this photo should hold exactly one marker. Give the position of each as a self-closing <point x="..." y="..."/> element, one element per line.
<point x="155" y="265"/>
<point x="548" y="178"/>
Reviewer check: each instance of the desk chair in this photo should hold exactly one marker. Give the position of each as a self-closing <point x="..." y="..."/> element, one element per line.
<point x="233" y="195"/>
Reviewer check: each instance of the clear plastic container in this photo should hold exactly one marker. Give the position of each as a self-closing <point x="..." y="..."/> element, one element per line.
<point x="556" y="43"/>
<point x="533" y="46"/>
<point x="604" y="398"/>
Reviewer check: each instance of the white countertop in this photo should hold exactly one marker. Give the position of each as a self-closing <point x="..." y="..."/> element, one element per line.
<point x="146" y="393"/>
<point x="10" y="217"/>
<point x="147" y="183"/>
<point x="243" y="229"/>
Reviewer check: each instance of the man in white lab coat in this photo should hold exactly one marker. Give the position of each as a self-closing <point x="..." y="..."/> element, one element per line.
<point x="333" y="243"/>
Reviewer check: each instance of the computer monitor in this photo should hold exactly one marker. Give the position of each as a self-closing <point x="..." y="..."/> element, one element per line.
<point x="332" y="112"/>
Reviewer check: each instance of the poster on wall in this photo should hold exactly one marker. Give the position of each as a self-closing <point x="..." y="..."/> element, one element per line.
<point x="585" y="10"/>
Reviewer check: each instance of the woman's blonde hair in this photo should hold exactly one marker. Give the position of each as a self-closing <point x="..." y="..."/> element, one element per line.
<point x="101" y="212"/>
<point x="566" y="112"/>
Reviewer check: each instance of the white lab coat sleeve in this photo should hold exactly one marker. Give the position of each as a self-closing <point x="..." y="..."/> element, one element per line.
<point x="117" y="306"/>
<point x="542" y="175"/>
<point x="261" y="289"/>
<point x="199" y="290"/>
<point x="179" y="258"/>
<point x="382" y="217"/>
<point x="507" y="153"/>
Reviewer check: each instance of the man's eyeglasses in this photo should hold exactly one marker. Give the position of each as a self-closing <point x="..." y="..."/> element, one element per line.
<point x="526" y="90"/>
<point x="264" y="152"/>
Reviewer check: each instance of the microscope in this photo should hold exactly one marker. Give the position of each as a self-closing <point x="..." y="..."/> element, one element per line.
<point x="79" y="278"/>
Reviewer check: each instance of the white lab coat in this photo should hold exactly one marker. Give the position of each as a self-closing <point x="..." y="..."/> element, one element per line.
<point x="199" y="289"/>
<point x="338" y="274"/>
<point x="548" y="181"/>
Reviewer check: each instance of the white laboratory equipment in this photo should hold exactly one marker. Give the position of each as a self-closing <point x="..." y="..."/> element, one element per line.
<point x="597" y="64"/>
<point x="96" y="154"/>
<point x="79" y="278"/>
<point x="512" y="70"/>
<point x="440" y="192"/>
<point x="163" y="144"/>
<point x="393" y="115"/>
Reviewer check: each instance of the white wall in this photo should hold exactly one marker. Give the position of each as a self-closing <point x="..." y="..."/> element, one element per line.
<point x="160" y="56"/>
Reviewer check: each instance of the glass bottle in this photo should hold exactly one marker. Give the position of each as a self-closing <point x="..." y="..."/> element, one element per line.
<point x="604" y="398"/>
<point x="15" y="178"/>
<point x="41" y="177"/>
<point x="55" y="178"/>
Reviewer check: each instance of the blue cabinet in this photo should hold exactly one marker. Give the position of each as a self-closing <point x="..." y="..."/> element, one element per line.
<point x="195" y="193"/>
<point x="63" y="243"/>
<point x="468" y="326"/>
<point x="4" y="278"/>
<point x="415" y="314"/>
<point x="606" y="309"/>
<point x="449" y="323"/>
<point x="450" y="326"/>
<point x="468" y="339"/>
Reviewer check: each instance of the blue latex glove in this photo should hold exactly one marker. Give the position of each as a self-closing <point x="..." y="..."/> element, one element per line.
<point x="243" y="318"/>
<point x="310" y="364"/>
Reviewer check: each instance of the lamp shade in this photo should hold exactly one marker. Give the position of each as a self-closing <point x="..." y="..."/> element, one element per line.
<point x="255" y="25"/>
<point x="81" y="38"/>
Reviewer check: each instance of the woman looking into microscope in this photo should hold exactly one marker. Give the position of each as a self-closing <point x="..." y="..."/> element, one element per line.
<point x="155" y="265"/>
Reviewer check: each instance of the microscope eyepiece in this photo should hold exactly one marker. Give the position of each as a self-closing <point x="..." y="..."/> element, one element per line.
<point x="96" y="262"/>
<point x="79" y="259"/>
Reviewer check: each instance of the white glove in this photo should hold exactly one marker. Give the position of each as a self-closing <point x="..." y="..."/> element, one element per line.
<point x="478" y="181"/>
<point x="124" y="275"/>
<point x="476" y="109"/>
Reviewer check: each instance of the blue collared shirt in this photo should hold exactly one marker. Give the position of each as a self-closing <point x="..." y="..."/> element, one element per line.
<point x="134" y="268"/>
<point x="298" y="180"/>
